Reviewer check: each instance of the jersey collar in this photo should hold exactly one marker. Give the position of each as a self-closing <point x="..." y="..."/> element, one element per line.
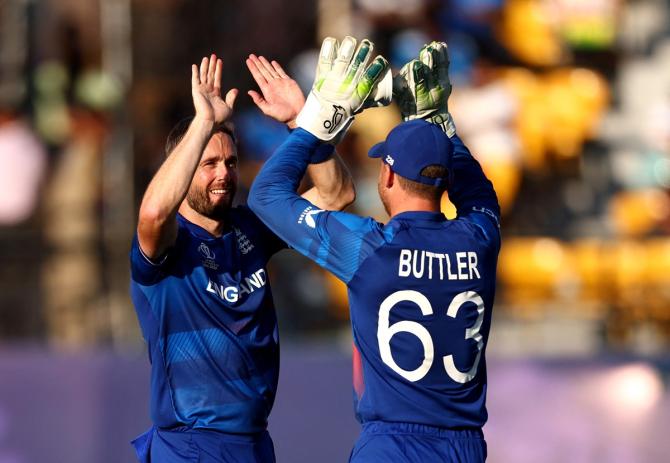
<point x="198" y="231"/>
<point x="424" y="216"/>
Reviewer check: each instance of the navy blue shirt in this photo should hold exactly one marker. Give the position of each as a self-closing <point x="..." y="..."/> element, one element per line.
<point x="208" y="318"/>
<point x="421" y="288"/>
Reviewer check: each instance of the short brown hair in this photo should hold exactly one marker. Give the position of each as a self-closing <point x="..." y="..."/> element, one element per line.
<point x="422" y="190"/>
<point x="180" y="128"/>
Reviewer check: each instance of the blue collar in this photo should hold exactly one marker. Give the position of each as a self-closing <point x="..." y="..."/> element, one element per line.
<point x="200" y="232"/>
<point x="420" y="216"/>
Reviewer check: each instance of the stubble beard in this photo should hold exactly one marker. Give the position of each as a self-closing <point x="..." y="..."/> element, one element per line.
<point x="198" y="200"/>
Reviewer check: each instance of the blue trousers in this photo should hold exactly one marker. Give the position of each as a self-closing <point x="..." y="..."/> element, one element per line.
<point x="414" y="443"/>
<point x="203" y="446"/>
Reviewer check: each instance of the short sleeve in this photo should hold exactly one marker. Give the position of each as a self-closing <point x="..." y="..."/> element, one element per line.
<point x="144" y="270"/>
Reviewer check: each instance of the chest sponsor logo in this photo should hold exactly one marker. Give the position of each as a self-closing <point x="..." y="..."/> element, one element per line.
<point x="243" y="243"/>
<point x="308" y="216"/>
<point x="247" y="286"/>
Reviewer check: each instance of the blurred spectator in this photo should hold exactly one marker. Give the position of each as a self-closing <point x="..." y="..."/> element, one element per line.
<point x="23" y="163"/>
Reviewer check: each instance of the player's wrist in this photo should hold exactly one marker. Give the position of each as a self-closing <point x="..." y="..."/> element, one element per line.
<point x="444" y="121"/>
<point x="203" y="123"/>
<point x="326" y="120"/>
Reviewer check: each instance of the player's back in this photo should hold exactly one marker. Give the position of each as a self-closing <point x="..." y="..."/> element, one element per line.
<point x="421" y="312"/>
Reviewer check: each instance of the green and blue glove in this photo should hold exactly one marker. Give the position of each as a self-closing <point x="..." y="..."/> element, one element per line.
<point x="422" y="87"/>
<point x="345" y="85"/>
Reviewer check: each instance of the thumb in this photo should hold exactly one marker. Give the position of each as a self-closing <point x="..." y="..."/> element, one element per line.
<point x="256" y="97"/>
<point x="258" y="100"/>
<point x="231" y="96"/>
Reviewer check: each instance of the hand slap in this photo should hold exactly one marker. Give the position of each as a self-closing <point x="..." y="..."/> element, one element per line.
<point x="280" y="96"/>
<point x="343" y="84"/>
<point x="206" y="91"/>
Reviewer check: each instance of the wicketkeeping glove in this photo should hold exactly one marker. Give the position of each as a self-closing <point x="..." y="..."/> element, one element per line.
<point x="422" y="87"/>
<point x="344" y="85"/>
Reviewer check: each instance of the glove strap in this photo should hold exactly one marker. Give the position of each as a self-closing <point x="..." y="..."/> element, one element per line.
<point x="322" y="119"/>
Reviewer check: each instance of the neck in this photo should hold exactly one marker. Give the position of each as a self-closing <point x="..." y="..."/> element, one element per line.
<point x="214" y="227"/>
<point x="413" y="204"/>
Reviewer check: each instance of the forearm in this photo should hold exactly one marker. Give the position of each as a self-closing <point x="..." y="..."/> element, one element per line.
<point x="470" y="187"/>
<point x="275" y="188"/>
<point x="169" y="187"/>
<point x="333" y="186"/>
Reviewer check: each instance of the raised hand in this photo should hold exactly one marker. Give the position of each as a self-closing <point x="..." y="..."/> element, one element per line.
<point x="206" y="91"/>
<point x="345" y="80"/>
<point x="422" y="87"/>
<point x="280" y="97"/>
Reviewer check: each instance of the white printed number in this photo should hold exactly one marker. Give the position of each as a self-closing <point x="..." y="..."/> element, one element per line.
<point x="385" y="332"/>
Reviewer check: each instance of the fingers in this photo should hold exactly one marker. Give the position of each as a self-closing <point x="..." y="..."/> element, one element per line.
<point x="327" y="56"/>
<point x="373" y="73"/>
<point x="357" y="65"/>
<point x="195" y="79"/>
<point x="258" y="99"/>
<point x="267" y="67"/>
<point x="279" y="70"/>
<point x="204" y="65"/>
<point x="262" y="66"/>
<point x="435" y="56"/>
<point x="263" y="71"/>
<point x="420" y="74"/>
<point x="217" y="75"/>
<point x="210" y="72"/>
<point x="211" y="69"/>
<point x="230" y="97"/>
<point x="254" y="68"/>
<point x="344" y="55"/>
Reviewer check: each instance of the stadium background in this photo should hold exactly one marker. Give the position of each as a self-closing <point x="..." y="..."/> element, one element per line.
<point x="566" y="103"/>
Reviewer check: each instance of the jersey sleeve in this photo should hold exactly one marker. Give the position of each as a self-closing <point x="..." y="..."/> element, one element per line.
<point x="337" y="241"/>
<point x="472" y="193"/>
<point x="144" y="270"/>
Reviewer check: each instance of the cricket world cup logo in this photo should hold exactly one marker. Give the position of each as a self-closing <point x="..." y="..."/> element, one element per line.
<point x="206" y="252"/>
<point x="336" y="118"/>
<point x="208" y="257"/>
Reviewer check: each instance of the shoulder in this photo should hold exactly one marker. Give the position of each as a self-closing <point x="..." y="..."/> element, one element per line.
<point x="483" y="227"/>
<point x="248" y="226"/>
<point x="242" y="215"/>
<point x="243" y="218"/>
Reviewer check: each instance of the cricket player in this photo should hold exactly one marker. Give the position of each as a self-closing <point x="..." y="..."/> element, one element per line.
<point x="199" y="281"/>
<point x="420" y="287"/>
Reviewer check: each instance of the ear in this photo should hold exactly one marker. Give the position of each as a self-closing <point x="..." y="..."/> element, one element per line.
<point x="388" y="176"/>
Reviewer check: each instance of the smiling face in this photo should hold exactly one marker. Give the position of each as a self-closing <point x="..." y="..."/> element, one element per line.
<point x="215" y="181"/>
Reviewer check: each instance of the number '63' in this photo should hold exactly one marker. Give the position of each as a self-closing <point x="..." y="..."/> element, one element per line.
<point x="386" y="332"/>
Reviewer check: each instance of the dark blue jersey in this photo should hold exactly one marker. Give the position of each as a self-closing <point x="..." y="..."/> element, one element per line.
<point x="420" y="288"/>
<point x="207" y="315"/>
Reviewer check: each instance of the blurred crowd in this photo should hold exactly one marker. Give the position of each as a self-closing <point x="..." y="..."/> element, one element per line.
<point x="565" y="103"/>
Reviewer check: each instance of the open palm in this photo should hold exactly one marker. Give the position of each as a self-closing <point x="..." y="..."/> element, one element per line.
<point x="280" y="97"/>
<point x="206" y="91"/>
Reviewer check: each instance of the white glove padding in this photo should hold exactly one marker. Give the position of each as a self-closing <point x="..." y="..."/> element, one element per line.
<point x="344" y="86"/>
<point x="422" y="87"/>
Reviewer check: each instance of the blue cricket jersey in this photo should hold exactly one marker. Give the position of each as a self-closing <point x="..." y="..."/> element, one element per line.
<point x="208" y="318"/>
<point x="420" y="288"/>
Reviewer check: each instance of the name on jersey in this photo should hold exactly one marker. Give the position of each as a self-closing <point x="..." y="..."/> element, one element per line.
<point x="435" y="265"/>
<point x="233" y="293"/>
